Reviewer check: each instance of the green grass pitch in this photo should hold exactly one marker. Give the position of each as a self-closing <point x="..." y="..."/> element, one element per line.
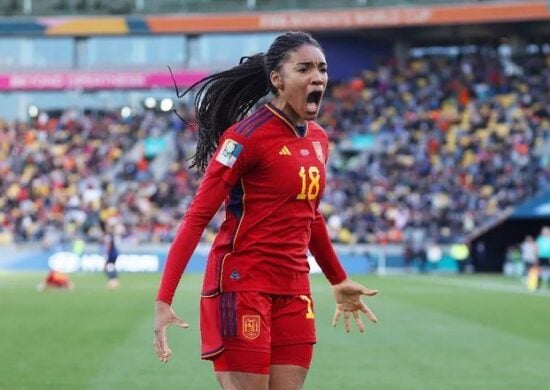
<point x="435" y="332"/>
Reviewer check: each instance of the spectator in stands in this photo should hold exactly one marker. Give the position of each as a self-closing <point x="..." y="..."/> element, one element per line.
<point x="435" y="131"/>
<point x="450" y="143"/>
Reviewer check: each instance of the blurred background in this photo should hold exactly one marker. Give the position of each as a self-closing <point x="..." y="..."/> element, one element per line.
<point x="438" y="193"/>
<point x="437" y="111"/>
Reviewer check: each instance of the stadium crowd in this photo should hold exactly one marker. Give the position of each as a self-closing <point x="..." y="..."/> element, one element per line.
<point x="454" y="144"/>
<point x="435" y="147"/>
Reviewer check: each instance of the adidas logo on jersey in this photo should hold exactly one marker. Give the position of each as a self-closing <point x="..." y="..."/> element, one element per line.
<point x="285" y="151"/>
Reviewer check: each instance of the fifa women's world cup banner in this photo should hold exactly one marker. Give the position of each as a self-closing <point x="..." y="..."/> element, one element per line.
<point x="311" y="19"/>
<point x="29" y="81"/>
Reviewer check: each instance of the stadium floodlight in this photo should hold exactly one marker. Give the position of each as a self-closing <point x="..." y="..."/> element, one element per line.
<point x="166" y="104"/>
<point x="32" y="111"/>
<point x="125" y="112"/>
<point x="150" y="103"/>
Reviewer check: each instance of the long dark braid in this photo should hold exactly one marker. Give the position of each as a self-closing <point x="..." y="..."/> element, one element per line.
<point x="224" y="98"/>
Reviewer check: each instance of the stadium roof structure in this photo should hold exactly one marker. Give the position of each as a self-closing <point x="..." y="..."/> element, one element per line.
<point x="312" y="20"/>
<point x="537" y="207"/>
<point x="510" y="230"/>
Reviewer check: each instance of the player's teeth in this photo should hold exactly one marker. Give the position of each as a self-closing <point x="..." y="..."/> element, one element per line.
<point x="312" y="107"/>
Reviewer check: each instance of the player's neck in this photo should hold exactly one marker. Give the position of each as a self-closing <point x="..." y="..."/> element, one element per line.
<point x="286" y="109"/>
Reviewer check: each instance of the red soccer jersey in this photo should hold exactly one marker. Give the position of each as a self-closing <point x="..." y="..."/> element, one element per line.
<point x="271" y="177"/>
<point x="57" y="279"/>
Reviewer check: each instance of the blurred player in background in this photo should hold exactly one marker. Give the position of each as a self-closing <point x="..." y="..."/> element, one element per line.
<point x="111" y="255"/>
<point x="55" y="280"/>
<point x="543" y="251"/>
<point x="257" y="317"/>
<point x="529" y="255"/>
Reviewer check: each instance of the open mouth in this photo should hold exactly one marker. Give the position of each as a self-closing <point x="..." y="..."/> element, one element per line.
<point x="313" y="100"/>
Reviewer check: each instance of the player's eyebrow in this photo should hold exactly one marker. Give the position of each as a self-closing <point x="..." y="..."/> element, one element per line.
<point x="309" y="63"/>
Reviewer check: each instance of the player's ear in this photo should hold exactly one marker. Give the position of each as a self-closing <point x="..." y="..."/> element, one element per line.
<point x="276" y="79"/>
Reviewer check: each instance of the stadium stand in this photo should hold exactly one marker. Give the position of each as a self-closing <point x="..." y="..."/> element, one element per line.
<point x="444" y="144"/>
<point x="437" y="132"/>
<point x="455" y="143"/>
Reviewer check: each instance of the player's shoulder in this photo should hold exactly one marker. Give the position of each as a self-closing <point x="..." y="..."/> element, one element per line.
<point x="316" y="130"/>
<point x="247" y="128"/>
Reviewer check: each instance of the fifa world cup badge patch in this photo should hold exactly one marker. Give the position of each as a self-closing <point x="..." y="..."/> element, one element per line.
<point x="318" y="151"/>
<point x="229" y="152"/>
<point x="251" y="326"/>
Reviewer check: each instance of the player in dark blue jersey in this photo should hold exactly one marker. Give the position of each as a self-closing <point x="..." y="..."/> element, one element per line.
<point x="111" y="256"/>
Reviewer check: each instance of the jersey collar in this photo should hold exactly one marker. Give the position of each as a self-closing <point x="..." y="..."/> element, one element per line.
<point x="286" y="120"/>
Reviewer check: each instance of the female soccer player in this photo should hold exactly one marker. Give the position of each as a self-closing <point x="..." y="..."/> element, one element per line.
<point x="256" y="309"/>
<point x="111" y="255"/>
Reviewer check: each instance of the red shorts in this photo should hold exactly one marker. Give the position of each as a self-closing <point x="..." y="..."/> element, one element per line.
<point x="256" y="330"/>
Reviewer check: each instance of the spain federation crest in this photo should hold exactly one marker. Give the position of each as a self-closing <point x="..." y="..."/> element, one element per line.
<point x="318" y="151"/>
<point x="251" y="326"/>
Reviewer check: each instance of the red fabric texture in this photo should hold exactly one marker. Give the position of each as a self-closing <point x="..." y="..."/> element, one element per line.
<point x="209" y="196"/>
<point x="255" y="321"/>
<point x="251" y="362"/>
<point x="272" y="188"/>
<point x="299" y="355"/>
<point x="57" y="279"/>
<point x="210" y="324"/>
<point x="321" y="248"/>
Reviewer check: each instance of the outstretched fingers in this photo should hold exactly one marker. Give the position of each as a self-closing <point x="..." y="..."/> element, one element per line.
<point x="336" y="317"/>
<point x="359" y="321"/>
<point x="161" y="345"/>
<point x="368" y="292"/>
<point x="368" y="312"/>
<point x="347" y="325"/>
<point x="181" y="323"/>
<point x="356" y="315"/>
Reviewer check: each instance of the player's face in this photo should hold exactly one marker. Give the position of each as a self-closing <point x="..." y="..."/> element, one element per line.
<point x="301" y="84"/>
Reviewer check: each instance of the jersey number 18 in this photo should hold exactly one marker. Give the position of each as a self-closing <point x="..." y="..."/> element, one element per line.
<point x="310" y="191"/>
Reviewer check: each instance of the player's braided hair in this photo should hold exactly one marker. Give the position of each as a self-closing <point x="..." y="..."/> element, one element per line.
<point x="224" y="98"/>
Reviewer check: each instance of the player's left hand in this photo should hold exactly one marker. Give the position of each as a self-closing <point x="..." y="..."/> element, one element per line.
<point x="348" y="302"/>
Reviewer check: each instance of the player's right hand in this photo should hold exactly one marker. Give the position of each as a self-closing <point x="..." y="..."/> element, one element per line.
<point x="164" y="317"/>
